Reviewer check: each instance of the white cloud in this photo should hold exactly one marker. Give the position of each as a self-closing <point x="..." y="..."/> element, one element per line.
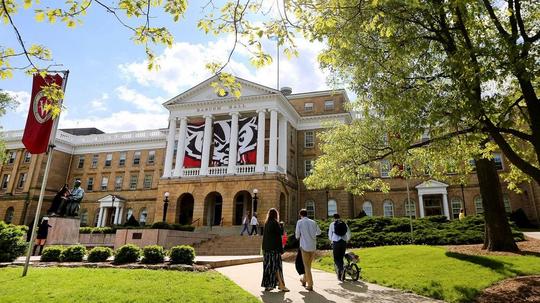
<point x="23" y="100"/>
<point x="98" y="104"/>
<point x="118" y="121"/>
<point x="139" y="100"/>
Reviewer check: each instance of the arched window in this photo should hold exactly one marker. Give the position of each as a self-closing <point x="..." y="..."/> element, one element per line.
<point x="388" y="207"/>
<point x="332" y="207"/>
<point x="506" y="201"/>
<point x="410" y="208"/>
<point x="456" y="205"/>
<point x="129" y="213"/>
<point x="368" y="208"/>
<point x="310" y="207"/>
<point x="84" y="217"/>
<point x="478" y="205"/>
<point x="8" y="218"/>
<point x="143" y="216"/>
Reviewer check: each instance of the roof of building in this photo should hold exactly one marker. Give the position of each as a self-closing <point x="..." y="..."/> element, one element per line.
<point x="83" y="131"/>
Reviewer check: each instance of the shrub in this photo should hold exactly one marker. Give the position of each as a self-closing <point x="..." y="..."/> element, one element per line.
<point x="51" y="254"/>
<point x="99" y="254"/>
<point x="181" y="227"/>
<point x="97" y="230"/>
<point x="73" y="253"/>
<point x="182" y="254"/>
<point x="85" y="230"/>
<point x="519" y="217"/>
<point x="128" y="253"/>
<point x="153" y="254"/>
<point x="132" y="222"/>
<point x="161" y="225"/>
<point x="12" y="241"/>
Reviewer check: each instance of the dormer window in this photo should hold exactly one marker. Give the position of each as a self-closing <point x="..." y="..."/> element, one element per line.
<point x="308" y="107"/>
<point x="329" y="105"/>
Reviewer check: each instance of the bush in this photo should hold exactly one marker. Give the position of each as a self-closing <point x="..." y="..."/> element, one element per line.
<point x="161" y="225"/>
<point x="132" y="222"/>
<point x="99" y="254"/>
<point x="181" y="227"/>
<point x="73" y="253"/>
<point x="128" y="253"/>
<point x="153" y="254"/>
<point x="85" y="230"/>
<point x="182" y="254"/>
<point x="51" y="254"/>
<point x="97" y="230"/>
<point x="12" y="241"/>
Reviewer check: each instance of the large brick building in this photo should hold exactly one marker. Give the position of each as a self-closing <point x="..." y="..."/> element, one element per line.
<point x="275" y="134"/>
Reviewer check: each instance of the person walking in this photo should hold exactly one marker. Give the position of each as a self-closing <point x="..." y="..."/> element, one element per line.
<point x="339" y="233"/>
<point x="272" y="250"/>
<point x="245" y="224"/>
<point x="307" y="231"/>
<point x="42" y="232"/>
<point x="254" y="222"/>
<point x="461" y="214"/>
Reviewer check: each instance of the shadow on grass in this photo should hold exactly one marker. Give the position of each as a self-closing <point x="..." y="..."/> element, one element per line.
<point x="500" y="267"/>
<point x="468" y="293"/>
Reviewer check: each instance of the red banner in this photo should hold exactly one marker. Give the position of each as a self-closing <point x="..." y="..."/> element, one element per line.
<point x="39" y="123"/>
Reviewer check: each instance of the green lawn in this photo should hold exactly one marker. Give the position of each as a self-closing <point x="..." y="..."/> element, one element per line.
<point x="434" y="272"/>
<point x="117" y="285"/>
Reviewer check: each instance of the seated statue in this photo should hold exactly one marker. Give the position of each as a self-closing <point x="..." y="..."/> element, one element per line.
<point x="73" y="201"/>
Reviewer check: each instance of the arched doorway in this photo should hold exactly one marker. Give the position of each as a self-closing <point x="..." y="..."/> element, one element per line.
<point x="185" y="209"/>
<point x="282" y="207"/>
<point x="213" y="204"/>
<point x="242" y="204"/>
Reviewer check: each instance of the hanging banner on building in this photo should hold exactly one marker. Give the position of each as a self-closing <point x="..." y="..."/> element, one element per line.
<point x="194" y="145"/>
<point x="247" y="140"/>
<point x="39" y="122"/>
<point x="222" y="136"/>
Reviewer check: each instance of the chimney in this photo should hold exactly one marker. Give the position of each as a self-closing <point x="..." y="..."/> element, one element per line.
<point x="286" y="91"/>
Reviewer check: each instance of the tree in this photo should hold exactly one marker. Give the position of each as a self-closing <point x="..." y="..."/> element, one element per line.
<point x="6" y="102"/>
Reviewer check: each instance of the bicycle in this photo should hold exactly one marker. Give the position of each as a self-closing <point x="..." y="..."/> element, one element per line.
<point x="351" y="269"/>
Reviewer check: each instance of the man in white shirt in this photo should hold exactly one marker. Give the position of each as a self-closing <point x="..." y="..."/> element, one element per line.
<point x="307" y="231"/>
<point x="254" y="223"/>
<point x="245" y="224"/>
<point x="339" y="233"/>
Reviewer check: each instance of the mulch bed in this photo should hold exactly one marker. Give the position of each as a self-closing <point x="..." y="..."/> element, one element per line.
<point x="516" y="290"/>
<point x="290" y="255"/>
<point x="166" y="266"/>
<point x="529" y="247"/>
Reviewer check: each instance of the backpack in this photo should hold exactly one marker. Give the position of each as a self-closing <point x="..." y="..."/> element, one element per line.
<point x="340" y="228"/>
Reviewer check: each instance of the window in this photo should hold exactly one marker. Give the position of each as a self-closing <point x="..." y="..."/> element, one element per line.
<point x="22" y="180"/>
<point x="5" y="181"/>
<point x="104" y="183"/>
<point x="329" y="105"/>
<point x="309" y="139"/>
<point x="118" y="183"/>
<point x="84" y="217"/>
<point x="151" y="157"/>
<point x="81" y="162"/>
<point x="122" y="160"/>
<point x="129" y="213"/>
<point x="506" y="201"/>
<point x="8" y="218"/>
<point x="308" y="167"/>
<point x="147" y="181"/>
<point x="388" y="207"/>
<point x="456" y="205"/>
<point x="96" y="217"/>
<point x="410" y="208"/>
<point x="310" y="207"/>
<point x="136" y="158"/>
<point x="133" y="182"/>
<point x="332" y="207"/>
<point x="143" y="216"/>
<point x="367" y="207"/>
<point x="90" y="184"/>
<point x="308" y="107"/>
<point x="385" y="169"/>
<point x="108" y="160"/>
<point x="11" y="157"/>
<point x="478" y="205"/>
<point x="497" y="158"/>
<point x="95" y="159"/>
<point x="27" y="157"/>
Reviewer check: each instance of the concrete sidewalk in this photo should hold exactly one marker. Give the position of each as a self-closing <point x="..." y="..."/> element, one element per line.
<point x="532" y="234"/>
<point x="327" y="288"/>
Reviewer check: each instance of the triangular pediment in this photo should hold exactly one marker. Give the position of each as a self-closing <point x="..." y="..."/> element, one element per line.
<point x="108" y="198"/>
<point x="205" y="92"/>
<point x="431" y="184"/>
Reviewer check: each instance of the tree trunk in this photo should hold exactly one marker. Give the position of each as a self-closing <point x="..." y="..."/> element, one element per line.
<point x="498" y="235"/>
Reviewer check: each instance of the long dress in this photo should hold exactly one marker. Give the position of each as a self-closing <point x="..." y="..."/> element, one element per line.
<point x="272" y="249"/>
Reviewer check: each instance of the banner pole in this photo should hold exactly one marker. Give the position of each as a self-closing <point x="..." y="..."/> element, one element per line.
<point x="50" y="150"/>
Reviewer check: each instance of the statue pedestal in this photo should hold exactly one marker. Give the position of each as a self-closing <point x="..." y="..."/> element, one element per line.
<point x="64" y="231"/>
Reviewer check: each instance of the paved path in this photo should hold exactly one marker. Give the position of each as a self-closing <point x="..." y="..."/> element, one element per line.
<point x="327" y="288"/>
<point x="532" y="234"/>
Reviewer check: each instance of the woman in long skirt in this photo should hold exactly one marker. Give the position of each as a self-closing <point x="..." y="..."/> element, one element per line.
<point x="272" y="250"/>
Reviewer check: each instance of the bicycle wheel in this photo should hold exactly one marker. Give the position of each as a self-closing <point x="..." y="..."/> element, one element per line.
<point x="353" y="271"/>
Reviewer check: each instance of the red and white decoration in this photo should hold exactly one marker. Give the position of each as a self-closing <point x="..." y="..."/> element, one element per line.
<point x="194" y="145"/>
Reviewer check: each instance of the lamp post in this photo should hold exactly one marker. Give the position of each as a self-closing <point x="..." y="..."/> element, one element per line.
<point x="254" y="201"/>
<point x="165" y="205"/>
<point x="113" y="198"/>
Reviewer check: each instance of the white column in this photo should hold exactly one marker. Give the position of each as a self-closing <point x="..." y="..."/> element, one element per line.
<point x="282" y="155"/>
<point x="116" y="213"/>
<point x="445" y="205"/>
<point x="421" y="204"/>
<point x="100" y="217"/>
<point x="181" y="148"/>
<point x="120" y="216"/>
<point x="260" y="141"/>
<point x="207" y="140"/>
<point x="272" y="151"/>
<point x="233" y="144"/>
<point x="167" y="167"/>
<point x="104" y="218"/>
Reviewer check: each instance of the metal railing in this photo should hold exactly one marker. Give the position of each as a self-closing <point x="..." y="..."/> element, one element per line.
<point x="196" y="221"/>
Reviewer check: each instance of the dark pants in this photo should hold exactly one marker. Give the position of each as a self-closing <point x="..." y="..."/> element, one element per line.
<point x="338" y="248"/>
<point x="245" y="229"/>
<point x="253" y="229"/>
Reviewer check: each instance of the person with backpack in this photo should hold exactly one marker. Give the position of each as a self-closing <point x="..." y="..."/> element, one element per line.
<point x="339" y="233"/>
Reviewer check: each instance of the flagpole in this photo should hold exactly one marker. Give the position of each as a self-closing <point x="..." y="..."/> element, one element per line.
<point x="50" y="150"/>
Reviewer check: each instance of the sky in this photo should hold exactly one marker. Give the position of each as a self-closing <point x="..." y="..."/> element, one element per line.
<point x="109" y="86"/>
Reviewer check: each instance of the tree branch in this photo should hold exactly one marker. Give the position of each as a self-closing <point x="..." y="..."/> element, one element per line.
<point x="19" y="38"/>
